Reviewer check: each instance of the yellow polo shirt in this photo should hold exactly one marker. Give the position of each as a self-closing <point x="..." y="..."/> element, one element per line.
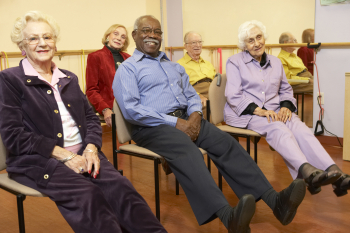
<point x="197" y="70"/>
<point x="292" y="65"/>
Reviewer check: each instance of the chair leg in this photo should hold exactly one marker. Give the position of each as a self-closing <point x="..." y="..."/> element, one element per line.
<point x="177" y="186"/>
<point x="248" y="144"/>
<point x="20" y="199"/>
<point x="302" y="107"/>
<point x="114" y="143"/>
<point x="220" y="180"/>
<point x="156" y="185"/>
<point x="256" y="149"/>
<point x="209" y="163"/>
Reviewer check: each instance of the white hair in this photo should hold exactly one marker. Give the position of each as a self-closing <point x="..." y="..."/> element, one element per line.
<point x="243" y="31"/>
<point x="32" y="16"/>
<point x="190" y="32"/>
<point x="137" y="22"/>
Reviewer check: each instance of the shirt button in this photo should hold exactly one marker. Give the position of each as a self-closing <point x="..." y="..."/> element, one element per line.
<point x="263" y="92"/>
<point x="59" y="135"/>
<point x="46" y="176"/>
<point x="68" y="77"/>
<point x="56" y="111"/>
<point x="28" y="80"/>
<point x="260" y="70"/>
<point x="49" y="92"/>
<point x="68" y="105"/>
<point x="262" y="80"/>
<point x="79" y="126"/>
<point x="59" y="86"/>
<point x="177" y="97"/>
<point x="171" y="84"/>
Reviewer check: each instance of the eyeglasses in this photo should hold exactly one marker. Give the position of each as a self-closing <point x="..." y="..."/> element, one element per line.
<point x="193" y="43"/>
<point x="148" y="31"/>
<point x="48" y="38"/>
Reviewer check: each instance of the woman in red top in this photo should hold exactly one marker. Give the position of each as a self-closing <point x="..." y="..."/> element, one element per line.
<point x="101" y="68"/>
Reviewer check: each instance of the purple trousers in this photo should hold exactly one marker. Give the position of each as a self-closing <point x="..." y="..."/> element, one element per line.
<point x="294" y="141"/>
<point x="106" y="204"/>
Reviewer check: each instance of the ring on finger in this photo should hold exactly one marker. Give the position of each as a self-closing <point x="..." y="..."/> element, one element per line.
<point x="81" y="170"/>
<point x="287" y="113"/>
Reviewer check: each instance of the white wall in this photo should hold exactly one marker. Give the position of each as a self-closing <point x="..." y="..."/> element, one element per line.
<point x="82" y="23"/>
<point x="218" y="21"/>
<point x="332" y="25"/>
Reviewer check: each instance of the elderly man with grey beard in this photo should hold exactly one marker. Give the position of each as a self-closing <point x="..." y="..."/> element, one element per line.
<point x="155" y="96"/>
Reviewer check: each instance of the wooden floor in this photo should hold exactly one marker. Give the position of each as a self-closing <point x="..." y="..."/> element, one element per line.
<point x="321" y="213"/>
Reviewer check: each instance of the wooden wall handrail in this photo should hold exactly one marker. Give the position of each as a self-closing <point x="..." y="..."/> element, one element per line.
<point x="339" y="44"/>
<point x="60" y="53"/>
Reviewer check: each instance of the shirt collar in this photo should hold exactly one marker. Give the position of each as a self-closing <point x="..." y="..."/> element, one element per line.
<point x="248" y="58"/>
<point x="286" y="54"/>
<point x="187" y="58"/>
<point x="138" y="55"/>
<point x="30" y="71"/>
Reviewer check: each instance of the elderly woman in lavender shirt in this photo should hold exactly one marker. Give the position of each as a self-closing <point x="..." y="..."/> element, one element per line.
<point x="54" y="139"/>
<point x="259" y="98"/>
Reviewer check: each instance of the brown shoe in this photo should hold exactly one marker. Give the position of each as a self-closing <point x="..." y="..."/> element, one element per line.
<point x="166" y="166"/>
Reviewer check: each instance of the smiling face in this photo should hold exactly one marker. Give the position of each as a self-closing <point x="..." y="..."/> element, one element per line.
<point x="255" y="43"/>
<point x="42" y="52"/>
<point x="148" y="43"/>
<point x="117" y="38"/>
<point x="193" y="45"/>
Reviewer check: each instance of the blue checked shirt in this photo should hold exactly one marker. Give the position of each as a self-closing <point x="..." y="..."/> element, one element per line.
<point x="148" y="88"/>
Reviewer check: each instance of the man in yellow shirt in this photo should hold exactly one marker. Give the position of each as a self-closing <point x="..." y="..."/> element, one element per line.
<point x="200" y="72"/>
<point x="294" y="66"/>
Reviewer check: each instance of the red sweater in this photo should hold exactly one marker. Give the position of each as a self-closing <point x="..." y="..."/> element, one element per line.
<point x="307" y="55"/>
<point x="100" y="71"/>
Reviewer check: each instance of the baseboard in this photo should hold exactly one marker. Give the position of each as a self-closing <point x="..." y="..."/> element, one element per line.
<point x="329" y="140"/>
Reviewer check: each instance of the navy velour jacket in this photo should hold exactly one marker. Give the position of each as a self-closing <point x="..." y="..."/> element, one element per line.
<point x="30" y="127"/>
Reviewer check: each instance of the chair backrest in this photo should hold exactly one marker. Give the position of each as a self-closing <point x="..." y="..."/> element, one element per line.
<point x="2" y="155"/>
<point x="217" y="99"/>
<point x="123" y="127"/>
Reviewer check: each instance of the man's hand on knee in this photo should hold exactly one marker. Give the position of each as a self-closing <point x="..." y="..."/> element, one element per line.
<point x="190" y="127"/>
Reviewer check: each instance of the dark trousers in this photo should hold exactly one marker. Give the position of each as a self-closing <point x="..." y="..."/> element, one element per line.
<point x="186" y="161"/>
<point x="106" y="204"/>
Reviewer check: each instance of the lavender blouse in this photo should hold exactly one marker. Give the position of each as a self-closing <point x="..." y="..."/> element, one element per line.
<point x="248" y="82"/>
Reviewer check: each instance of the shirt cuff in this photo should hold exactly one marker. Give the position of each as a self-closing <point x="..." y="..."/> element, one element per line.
<point x="170" y="120"/>
<point x="250" y="109"/>
<point x="288" y="104"/>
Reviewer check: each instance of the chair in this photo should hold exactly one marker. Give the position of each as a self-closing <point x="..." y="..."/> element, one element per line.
<point x="216" y="103"/>
<point x="15" y="188"/>
<point x="123" y="128"/>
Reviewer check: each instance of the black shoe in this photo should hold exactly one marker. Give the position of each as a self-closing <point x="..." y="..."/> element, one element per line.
<point x="340" y="186"/>
<point x="320" y="178"/>
<point x="288" y="201"/>
<point x="242" y="215"/>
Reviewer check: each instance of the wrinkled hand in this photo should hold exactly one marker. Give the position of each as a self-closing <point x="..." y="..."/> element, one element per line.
<point x="266" y="113"/>
<point x="284" y="114"/>
<point x="203" y="100"/>
<point x="107" y="114"/>
<point x="77" y="163"/>
<point x="191" y="127"/>
<point x="92" y="159"/>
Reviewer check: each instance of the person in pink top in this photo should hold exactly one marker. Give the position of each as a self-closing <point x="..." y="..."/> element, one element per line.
<point x="259" y="98"/>
<point x="54" y="139"/>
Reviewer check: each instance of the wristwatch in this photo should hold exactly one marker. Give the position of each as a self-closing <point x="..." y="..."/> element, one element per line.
<point x="200" y="113"/>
